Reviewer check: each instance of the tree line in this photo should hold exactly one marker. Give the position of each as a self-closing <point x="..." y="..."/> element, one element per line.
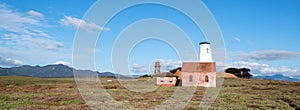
<point x="239" y="72"/>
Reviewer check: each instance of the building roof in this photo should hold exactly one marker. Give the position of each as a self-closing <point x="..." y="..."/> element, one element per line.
<point x="165" y="74"/>
<point x="225" y="75"/>
<point x="204" y="43"/>
<point x="198" y="67"/>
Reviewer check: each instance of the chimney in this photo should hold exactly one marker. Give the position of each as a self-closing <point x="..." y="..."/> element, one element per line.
<point x="205" y="52"/>
<point x="157" y="67"/>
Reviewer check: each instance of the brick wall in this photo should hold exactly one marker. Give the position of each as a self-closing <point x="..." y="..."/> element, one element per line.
<point x="199" y="74"/>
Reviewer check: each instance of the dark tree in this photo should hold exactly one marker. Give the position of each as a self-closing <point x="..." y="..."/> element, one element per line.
<point x="235" y="71"/>
<point x="241" y="73"/>
<point x="145" y="76"/>
<point x="245" y="73"/>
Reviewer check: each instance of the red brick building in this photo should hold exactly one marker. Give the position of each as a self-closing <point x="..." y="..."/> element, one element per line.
<point x="202" y="73"/>
<point x="198" y="74"/>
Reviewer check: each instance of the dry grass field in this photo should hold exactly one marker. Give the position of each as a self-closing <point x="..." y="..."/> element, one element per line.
<point x="62" y="93"/>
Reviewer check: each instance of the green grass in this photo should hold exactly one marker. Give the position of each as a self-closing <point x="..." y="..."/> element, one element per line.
<point x="258" y="94"/>
<point x="62" y="93"/>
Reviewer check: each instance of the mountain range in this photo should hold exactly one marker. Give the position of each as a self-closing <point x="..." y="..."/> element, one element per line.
<point x="53" y="71"/>
<point x="277" y="77"/>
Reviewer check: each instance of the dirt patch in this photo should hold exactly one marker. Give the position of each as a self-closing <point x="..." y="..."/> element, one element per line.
<point x="75" y="107"/>
<point x="34" y="108"/>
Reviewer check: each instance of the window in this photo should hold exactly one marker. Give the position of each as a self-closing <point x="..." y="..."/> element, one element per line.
<point x="171" y="80"/>
<point x="191" y="78"/>
<point x="206" y="78"/>
<point x="161" y="80"/>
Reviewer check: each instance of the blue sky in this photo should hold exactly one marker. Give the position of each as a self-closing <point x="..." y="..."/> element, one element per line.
<point x="259" y="34"/>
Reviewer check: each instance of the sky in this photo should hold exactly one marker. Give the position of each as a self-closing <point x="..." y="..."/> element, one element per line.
<point x="262" y="35"/>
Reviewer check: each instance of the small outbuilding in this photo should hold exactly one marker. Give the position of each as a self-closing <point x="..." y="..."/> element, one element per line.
<point x="166" y="79"/>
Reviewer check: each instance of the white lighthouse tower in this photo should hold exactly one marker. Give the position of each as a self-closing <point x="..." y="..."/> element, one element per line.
<point x="205" y="52"/>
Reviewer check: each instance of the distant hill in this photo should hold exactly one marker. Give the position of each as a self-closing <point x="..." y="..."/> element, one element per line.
<point x="51" y="71"/>
<point x="277" y="77"/>
<point x="107" y="74"/>
<point x="38" y="71"/>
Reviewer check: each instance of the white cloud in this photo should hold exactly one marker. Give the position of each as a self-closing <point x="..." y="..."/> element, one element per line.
<point x="35" y="13"/>
<point x="63" y="62"/>
<point x="13" y="21"/>
<point x="268" y="55"/>
<point x="165" y="65"/>
<point x="237" y="39"/>
<point x="136" y="68"/>
<point x="24" y="36"/>
<point x="10" y="62"/>
<point x="27" y="41"/>
<point x="81" y="24"/>
<point x="283" y="69"/>
<point x="250" y="64"/>
<point x="169" y="64"/>
<point x="221" y="66"/>
<point x="265" y="69"/>
<point x="34" y="56"/>
<point x="20" y="29"/>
